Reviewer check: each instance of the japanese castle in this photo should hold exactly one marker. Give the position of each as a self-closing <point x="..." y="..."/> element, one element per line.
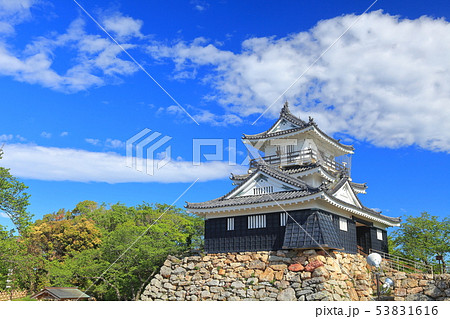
<point x="299" y="195"/>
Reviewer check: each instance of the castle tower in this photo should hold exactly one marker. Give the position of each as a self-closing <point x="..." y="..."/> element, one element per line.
<point x="297" y="194"/>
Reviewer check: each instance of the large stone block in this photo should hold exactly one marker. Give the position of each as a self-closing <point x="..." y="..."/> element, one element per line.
<point x="415" y="290"/>
<point x="287" y="294"/>
<point x="400" y="292"/>
<point x="267" y="275"/>
<point x="257" y="264"/>
<point x="237" y="285"/>
<point x="296" y="267"/>
<point x="277" y="259"/>
<point x="434" y="292"/>
<point x="278" y="267"/>
<point x="409" y="283"/>
<point x="321" y="272"/>
<point x="418" y="297"/>
<point x="353" y="294"/>
<point x="279" y="275"/>
<point x="243" y="258"/>
<point x="165" y="271"/>
<point x="313" y="265"/>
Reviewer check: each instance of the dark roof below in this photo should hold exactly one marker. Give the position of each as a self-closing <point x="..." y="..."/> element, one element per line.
<point x="63" y="293"/>
<point x="316" y="230"/>
<point x="253" y="199"/>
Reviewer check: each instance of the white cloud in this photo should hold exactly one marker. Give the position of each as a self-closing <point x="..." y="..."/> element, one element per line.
<point x="15" y="6"/>
<point x="202" y="116"/>
<point x="114" y="143"/>
<point x="200" y="5"/>
<point x="46" y="135"/>
<point x="123" y="27"/>
<point x="10" y="137"/>
<point x="64" y="164"/>
<point x="108" y="143"/>
<point x="6" y="137"/>
<point x="15" y="10"/>
<point x="3" y="215"/>
<point x="387" y="81"/>
<point x="92" y="141"/>
<point x="96" y="62"/>
<point x="63" y="134"/>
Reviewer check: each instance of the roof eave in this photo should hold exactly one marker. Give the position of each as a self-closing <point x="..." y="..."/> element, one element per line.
<point x="361" y="212"/>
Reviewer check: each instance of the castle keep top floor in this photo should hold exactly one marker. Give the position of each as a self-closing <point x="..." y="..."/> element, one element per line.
<point x="291" y="134"/>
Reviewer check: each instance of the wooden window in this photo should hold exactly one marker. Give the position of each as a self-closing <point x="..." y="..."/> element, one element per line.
<point x="230" y="223"/>
<point x="379" y="234"/>
<point x="256" y="221"/>
<point x="262" y="190"/>
<point x="343" y="224"/>
<point x="283" y="219"/>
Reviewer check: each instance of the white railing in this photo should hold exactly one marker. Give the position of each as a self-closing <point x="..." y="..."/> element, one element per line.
<point x="403" y="264"/>
<point x="306" y="156"/>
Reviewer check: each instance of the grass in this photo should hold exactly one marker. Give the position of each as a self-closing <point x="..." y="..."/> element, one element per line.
<point x="27" y="298"/>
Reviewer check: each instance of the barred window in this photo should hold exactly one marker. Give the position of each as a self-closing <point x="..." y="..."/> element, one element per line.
<point x="379" y="234"/>
<point x="343" y="224"/>
<point x="290" y="148"/>
<point x="230" y="223"/>
<point x="262" y="190"/>
<point x="256" y="221"/>
<point x="283" y="219"/>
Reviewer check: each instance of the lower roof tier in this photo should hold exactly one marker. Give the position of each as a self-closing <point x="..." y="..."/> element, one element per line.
<point x="286" y="201"/>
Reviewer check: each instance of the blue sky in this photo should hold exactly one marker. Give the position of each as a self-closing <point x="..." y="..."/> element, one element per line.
<point x="71" y="97"/>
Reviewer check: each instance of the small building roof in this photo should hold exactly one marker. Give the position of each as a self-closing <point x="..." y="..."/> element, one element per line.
<point x="62" y="293"/>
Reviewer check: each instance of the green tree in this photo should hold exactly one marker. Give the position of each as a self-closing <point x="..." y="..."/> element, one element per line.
<point x="56" y="237"/>
<point x="13" y="199"/>
<point x="14" y="252"/>
<point x="26" y="267"/>
<point x="135" y="241"/>
<point x="422" y="238"/>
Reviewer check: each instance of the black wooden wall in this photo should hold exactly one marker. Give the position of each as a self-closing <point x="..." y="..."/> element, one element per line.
<point x="348" y="238"/>
<point x="218" y="239"/>
<point x="377" y="244"/>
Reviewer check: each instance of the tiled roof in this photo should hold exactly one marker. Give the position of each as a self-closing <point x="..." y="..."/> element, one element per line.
<point x="252" y="199"/>
<point x="286" y="114"/>
<point x="236" y="177"/>
<point x="304" y="168"/>
<point x="269" y="170"/>
<point x="273" y="134"/>
<point x="338" y="185"/>
<point x="64" y="292"/>
<point x="305" y="190"/>
<point x="315" y="230"/>
<point x="367" y="210"/>
<point x="276" y="173"/>
<point x="359" y="185"/>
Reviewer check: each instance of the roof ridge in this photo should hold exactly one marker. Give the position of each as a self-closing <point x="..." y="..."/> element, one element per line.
<point x="279" y="174"/>
<point x="251" y="199"/>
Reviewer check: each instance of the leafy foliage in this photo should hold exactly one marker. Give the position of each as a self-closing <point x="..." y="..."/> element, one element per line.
<point x="422" y="238"/>
<point x="58" y="237"/>
<point x="110" y="252"/>
<point x="13" y="199"/>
